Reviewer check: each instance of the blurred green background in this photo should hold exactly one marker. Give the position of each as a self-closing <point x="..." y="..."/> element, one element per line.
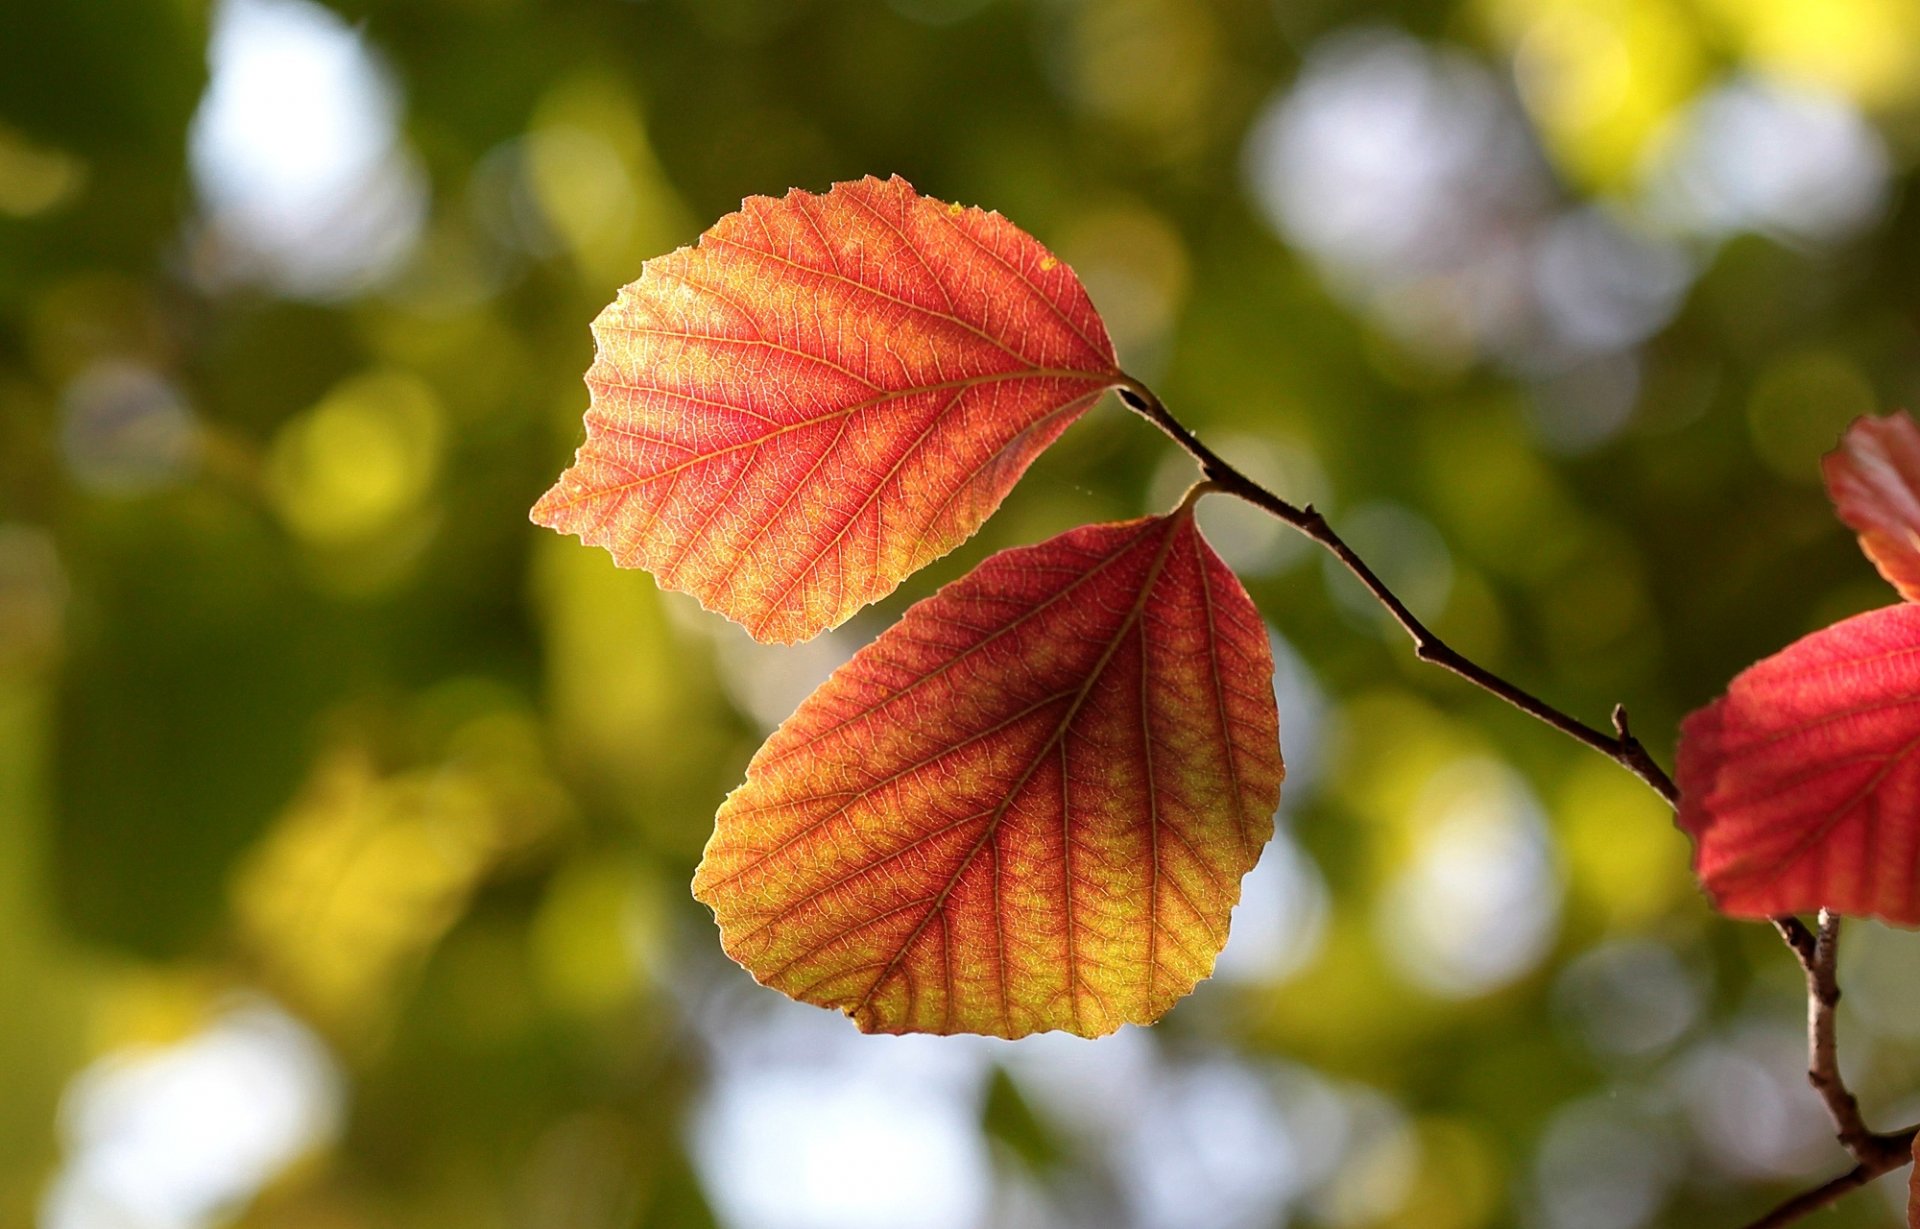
<point x="346" y="819"/>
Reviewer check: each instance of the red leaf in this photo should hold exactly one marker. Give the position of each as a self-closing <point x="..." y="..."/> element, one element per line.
<point x="1027" y="806"/>
<point x="826" y="394"/>
<point x="1874" y="479"/>
<point x="1913" y="1188"/>
<point x="1801" y="786"/>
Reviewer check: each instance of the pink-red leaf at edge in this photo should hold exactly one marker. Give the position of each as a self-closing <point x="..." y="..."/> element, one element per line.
<point x="1801" y="786"/>
<point x="827" y="393"/>
<point x="1874" y="480"/>
<point x="1913" y="1188"/>
<point x="1027" y="806"/>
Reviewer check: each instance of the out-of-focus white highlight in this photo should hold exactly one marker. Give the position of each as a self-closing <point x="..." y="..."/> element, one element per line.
<point x="1281" y="920"/>
<point x="806" y="1123"/>
<point x="1213" y="1141"/>
<point x="1761" y="156"/>
<point x="809" y="1125"/>
<point x="1479" y="903"/>
<point x="296" y="153"/>
<point x="1217" y="1152"/>
<point x="1746" y="1095"/>
<point x="183" y="1136"/>
<point x="1602" y="1164"/>
<point x="1383" y="154"/>
<point x="126" y="431"/>
<point x="1629" y="999"/>
<point x="768" y="681"/>
<point x="1409" y="175"/>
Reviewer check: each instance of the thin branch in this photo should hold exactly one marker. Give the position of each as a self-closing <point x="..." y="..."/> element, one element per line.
<point x="1823" y="1064"/>
<point x="1808" y="1202"/>
<point x="1620" y="746"/>
<point x="1795" y="934"/>
<point x="1874" y="1153"/>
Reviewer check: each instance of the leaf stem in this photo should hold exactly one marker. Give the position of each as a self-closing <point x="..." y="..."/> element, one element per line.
<point x="1620" y="746"/>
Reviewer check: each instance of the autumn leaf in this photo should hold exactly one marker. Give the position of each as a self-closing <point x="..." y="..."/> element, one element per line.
<point x="1913" y="1188"/>
<point x="1874" y="479"/>
<point x="827" y="393"/>
<point x="1027" y="806"/>
<point x="1801" y="786"/>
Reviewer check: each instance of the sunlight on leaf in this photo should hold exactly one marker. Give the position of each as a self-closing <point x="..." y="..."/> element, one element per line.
<point x="1025" y="807"/>
<point x="826" y="394"/>
<point x="1801" y="788"/>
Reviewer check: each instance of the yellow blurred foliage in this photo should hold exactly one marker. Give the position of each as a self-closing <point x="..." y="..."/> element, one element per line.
<point x="599" y="929"/>
<point x="594" y="174"/>
<point x="1458" y="1182"/>
<point x="36" y="179"/>
<point x="1153" y="68"/>
<point x="631" y="697"/>
<point x="359" y="463"/>
<point x="1392" y="746"/>
<point x="1865" y="50"/>
<point x="1597" y="604"/>
<point x="145" y="1005"/>
<point x="1375" y="1182"/>
<point x="1136" y="269"/>
<point x="1627" y="863"/>
<point x="1601" y="78"/>
<point x="1524" y="527"/>
<point x="364" y="873"/>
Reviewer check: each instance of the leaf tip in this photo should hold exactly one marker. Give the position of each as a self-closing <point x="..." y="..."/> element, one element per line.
<point x="549" y="511"/>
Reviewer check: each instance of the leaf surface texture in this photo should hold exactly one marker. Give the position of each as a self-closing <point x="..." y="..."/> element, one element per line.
<point x="1801" y="786"/>
<point x="825" y="394"/>
<point x="1874" y="479"/>
<point x="1027" y="806"/>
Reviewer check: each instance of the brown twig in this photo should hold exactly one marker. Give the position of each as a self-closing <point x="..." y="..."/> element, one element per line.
<point x="1795" y="934"/>
<point x="1823" y="1064"/>
<point x="1620" y="746"/>
<point x="1875" y="1153"/>
<point x="1808" y="1202"/>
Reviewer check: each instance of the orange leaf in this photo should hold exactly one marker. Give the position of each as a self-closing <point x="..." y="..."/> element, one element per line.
<point x="1874" y="479"/>
<point x="826" y="394"/>
<point x="1027" y="806"/>
<point x="1801" y="786"/>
